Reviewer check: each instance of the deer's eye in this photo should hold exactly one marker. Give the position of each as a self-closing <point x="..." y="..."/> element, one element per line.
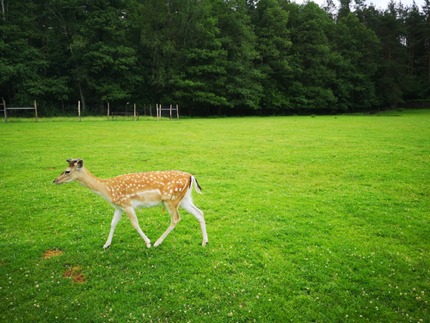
<point x="67" y="172"/>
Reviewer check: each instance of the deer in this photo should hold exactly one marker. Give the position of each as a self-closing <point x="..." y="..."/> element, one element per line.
<point x="145" y="189"/>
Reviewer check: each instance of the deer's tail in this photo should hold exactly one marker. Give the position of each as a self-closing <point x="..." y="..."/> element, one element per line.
<point x="196" y="185"/>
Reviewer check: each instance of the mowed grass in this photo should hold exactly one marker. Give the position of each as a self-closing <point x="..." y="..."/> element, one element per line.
<point x="309" y="219"/>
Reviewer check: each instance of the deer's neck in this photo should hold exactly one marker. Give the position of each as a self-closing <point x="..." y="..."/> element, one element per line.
<point x="97" y="185"/>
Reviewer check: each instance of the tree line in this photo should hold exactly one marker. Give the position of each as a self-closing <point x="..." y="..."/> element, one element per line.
<point x="214" y="56"/>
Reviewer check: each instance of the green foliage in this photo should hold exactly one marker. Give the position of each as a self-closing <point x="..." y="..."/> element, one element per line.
<point x="357" y="65"/>
<point x="309" y="219"/>
<point x="202" y="74"/>
<point x="242" y="87"/>
<point x="273" y="43"/>
<point x="313" y="74"/>
<point x="214" y="56"/>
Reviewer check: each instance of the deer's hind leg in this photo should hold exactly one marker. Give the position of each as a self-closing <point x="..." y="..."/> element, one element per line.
<point x="187" y="204"/>
<point x="172" y="208"/>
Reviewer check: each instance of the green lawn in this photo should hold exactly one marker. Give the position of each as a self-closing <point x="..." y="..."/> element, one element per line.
<point x="309" y="219"/>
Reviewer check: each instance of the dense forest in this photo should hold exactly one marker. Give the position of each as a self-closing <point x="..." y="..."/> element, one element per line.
<point x="213" y="56"/>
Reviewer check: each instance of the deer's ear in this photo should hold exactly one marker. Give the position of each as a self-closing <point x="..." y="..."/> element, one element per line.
<point x="79" y="163"/>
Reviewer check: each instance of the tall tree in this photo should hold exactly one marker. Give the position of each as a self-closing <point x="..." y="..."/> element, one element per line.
<point x="426" y="37"/>
<point x="359" y="54"/>
<point x="314" y="77"/>
<point x="201" y="79"/>
<point x="102" y="53"/>
<point x="88" y="50"/>
<point x="243" y="87"/>
<point x="273" y="43"/>
<point x="394" y="69"/>
<point x="159" y="43"/>
<point x="416" y="32"/>
<point x="22" y="61"/>
<point x="344" y="9"/>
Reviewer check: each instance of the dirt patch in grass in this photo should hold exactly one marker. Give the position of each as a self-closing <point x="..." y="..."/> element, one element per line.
<point x="52" y="253"/>
<point x="75" y="273"/>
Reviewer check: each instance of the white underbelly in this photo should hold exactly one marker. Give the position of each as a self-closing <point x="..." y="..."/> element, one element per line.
<point x="139" y="204"/>
<point x="146" y="199"/>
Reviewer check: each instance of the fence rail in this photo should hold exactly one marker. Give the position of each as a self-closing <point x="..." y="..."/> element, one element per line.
<point x="6" y="109"/>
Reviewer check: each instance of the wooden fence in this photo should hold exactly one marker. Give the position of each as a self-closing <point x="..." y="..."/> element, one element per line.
<point x="6" y="109"/>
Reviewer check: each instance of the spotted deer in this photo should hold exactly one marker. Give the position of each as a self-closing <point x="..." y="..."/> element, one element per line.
<point x="128" y="192"/>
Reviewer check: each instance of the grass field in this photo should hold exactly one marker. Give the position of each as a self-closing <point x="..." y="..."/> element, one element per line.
<point x="309" y="219"/>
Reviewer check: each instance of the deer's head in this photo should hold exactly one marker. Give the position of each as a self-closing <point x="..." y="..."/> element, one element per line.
<point x="72" y="172"/>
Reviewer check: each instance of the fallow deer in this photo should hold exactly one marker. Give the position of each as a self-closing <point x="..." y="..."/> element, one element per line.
<point x="128" y="192"/>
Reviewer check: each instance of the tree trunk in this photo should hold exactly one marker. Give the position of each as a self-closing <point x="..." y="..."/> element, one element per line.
<point x="81" y="93"/>
<point x="2" y="10"/>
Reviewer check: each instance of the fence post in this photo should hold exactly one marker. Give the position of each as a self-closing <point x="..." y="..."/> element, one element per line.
<point x="79" y="110"/>
<point x="134" y="111"/>
<point x="35" y="110"/>
<point x="5" y="112"/>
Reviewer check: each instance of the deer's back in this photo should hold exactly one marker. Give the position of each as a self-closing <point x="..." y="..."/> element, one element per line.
<point x="147" y="188"/>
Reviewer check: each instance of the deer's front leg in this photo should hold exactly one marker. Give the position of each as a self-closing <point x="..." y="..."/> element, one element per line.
<point x="135" y="223"/>
<point x="116" y="217"/>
